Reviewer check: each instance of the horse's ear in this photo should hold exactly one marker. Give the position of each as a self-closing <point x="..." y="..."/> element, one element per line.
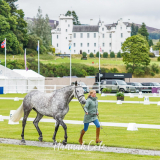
<point x="75" y="83"/>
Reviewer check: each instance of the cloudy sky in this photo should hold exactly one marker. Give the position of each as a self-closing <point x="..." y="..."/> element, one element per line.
<point x="109" y="11"/>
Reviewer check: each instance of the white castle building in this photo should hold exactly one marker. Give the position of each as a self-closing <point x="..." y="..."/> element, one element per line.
<point x="89" y="38"/>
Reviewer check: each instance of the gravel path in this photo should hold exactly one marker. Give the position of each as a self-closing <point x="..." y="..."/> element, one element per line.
<point x="100" y="148"/>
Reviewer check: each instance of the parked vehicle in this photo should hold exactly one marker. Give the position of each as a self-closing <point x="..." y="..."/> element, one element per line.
<point x="84" y="86"/>
<point x="146" y="88"/>
<point x="138" y="86"/>
<point x="117" y="85"/>
<point x="96" y="86"/>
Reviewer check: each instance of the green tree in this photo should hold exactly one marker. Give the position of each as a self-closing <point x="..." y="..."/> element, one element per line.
<point x="91" y="55"/>
<point x="75" y="17"/>
<point x="135" y="53"/>
<point x="119" y="55"/>
<point x="97" y="55"/>
<point x="150" y="42"/>
<point x="7" y="26"/>
<point x="112" y="55"/>
<point x="105" y="55"/>
<point x="41" y="28"/>
<point x="12" y="6"/>
<point x="157" y="46"/>
<point x="134" y="29"/>
<point x="20" y="29"/>
<point x="143" y="31"/>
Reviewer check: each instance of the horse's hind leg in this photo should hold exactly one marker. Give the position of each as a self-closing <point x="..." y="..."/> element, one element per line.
<point x="23" y="125"/>
<point x="65" y="130"/>
<point x="35" y="122"/>
<point x="55" y="132"/>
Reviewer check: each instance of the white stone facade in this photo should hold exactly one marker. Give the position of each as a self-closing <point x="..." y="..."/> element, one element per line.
<point x="89" y="38"/>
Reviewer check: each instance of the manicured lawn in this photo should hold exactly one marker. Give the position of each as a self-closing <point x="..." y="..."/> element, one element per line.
<point x="109" y="112"/>
<point x="37" y="153"/>
<point x="116" y="136"/>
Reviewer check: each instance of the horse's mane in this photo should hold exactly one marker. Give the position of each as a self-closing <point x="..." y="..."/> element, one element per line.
<point x="64" y="88"/>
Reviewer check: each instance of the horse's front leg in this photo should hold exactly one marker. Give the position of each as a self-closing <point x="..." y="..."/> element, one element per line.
<point x="55" y="132"/>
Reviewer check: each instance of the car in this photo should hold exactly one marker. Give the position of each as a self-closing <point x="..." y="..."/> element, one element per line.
<point x="84" y="86"/>
<point x="146" y="88"/>
<point x="137" y="84"/>
<point x="96" y="86"/>
<point x="117" y="86"/>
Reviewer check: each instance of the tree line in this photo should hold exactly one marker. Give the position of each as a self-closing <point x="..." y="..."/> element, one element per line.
<point x="19" y="33"/>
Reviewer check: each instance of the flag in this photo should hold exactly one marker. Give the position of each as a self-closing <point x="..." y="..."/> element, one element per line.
<point x="37" y="47"/>
<point x="100" y="49"/>
<point x="69" y="47"/>
<point x="3" y="44"/>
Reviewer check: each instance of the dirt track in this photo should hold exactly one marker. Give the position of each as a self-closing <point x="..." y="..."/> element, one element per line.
<point x="100" y="148"/>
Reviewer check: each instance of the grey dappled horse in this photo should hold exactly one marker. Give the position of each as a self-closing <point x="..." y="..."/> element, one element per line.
<point x="55" y="104"/>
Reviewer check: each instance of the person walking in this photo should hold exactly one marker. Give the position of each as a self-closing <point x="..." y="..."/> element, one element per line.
<point x="91" y="113"/>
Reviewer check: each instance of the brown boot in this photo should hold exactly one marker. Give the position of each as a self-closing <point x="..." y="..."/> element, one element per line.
<point x="81" y="136"/>
<point x="97" y="135"/>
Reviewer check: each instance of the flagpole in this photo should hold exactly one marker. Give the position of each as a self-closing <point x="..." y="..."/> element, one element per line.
<point x="38" y="57"/>
<point x="25" y="60"/>
<point x="99" y="62"/>
<point x="5" y="62"/>
<point x="5" y="51"/>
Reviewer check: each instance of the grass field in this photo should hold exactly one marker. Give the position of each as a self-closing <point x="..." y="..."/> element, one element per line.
<point x="109" y="112"/>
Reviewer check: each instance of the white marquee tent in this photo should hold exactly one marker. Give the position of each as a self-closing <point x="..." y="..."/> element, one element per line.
<point x="33" y="79"/>
<point x="20" y="81"/>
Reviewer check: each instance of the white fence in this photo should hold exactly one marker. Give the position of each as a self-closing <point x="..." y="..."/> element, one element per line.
<point x="51" y="88"/>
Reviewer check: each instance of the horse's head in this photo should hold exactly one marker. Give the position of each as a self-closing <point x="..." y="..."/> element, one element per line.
<point x="79" y="93"/>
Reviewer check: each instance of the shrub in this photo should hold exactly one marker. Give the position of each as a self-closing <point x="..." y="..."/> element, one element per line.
<point x="119" y="55"/>
<point x="91" y="55"/>
<point x="53" y="50"/>
<point x="105" y="55"/>
<point x="119" y="94"/>
<point x="31" y="52"/>
<point x="106" y="90"/>
<point x="152" y="74"/>
<point x="151" y="54"/>
<point x="97" y="54"/>
<point x="158" y="59"/>
<point x="112" y="55"/>
<point x="84" y="54"/>
<point x="154" y="68"/>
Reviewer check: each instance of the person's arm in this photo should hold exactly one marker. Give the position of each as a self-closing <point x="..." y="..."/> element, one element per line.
<point x="86" y="106"/>
<point x="97" y="109"/>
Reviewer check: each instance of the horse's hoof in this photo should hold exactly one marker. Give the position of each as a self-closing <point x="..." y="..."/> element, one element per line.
<point x="64" y="142"/>
<point x="54" y="143"/>
<point x="23" y="142"/>
<point x="40" y="139"/>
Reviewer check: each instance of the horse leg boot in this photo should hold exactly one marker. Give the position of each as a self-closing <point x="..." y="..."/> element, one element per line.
<point x="97" y="135"/>
<point x="81" y="136"/>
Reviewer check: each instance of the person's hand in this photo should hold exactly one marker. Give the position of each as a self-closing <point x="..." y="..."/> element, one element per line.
<point x="86" y="112"/>
<point x="97" y="114"/>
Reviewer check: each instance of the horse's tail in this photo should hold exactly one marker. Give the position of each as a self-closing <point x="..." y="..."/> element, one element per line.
<point x="17" y="114"/>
